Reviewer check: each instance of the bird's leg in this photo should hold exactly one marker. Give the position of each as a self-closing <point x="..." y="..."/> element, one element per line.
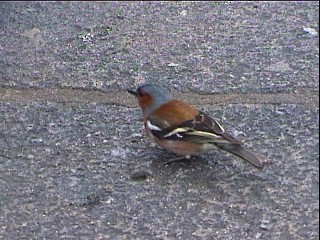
<point x="176" y="159"/>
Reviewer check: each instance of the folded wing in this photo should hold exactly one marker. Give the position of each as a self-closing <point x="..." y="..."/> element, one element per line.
<point x="201" y="129"/>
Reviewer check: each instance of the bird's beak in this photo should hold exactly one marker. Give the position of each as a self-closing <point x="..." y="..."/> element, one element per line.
<point x="132" y="92"/>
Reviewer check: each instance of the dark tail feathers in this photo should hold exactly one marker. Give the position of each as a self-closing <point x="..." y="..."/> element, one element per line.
<point x="246" y="154"/>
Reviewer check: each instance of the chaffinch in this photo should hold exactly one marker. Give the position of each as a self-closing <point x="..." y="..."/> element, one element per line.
<point x="184" y="130"/>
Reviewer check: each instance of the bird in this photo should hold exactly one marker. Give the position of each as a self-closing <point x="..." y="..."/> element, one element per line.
<point x="184" y="130"/>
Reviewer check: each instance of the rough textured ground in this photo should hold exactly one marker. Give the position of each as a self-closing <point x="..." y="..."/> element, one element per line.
<point x="74" y="160"/>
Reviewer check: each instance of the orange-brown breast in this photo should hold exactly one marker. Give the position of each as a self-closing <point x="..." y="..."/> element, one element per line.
<point x="145" y="101"/>
<point x="175" y="112"/>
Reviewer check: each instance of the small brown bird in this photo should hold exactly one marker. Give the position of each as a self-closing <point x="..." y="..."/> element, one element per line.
<point x="182" y="129"/>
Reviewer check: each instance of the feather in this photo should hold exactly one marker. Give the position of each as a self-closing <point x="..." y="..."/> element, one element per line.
<point x="201" y="129"/>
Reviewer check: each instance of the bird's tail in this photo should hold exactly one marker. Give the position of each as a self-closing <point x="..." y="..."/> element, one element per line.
<point x="246" y="154"/>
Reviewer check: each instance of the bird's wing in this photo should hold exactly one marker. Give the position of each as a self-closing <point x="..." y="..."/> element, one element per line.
<point x="201" y="129"/>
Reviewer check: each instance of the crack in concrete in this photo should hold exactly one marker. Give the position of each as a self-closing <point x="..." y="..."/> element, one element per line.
<point x="307" y="97"/>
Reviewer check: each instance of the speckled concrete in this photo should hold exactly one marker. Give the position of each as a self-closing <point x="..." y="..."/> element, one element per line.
<point x="204" y="47"/>
<point x="68" y="172"/>
<point x="76" y="166"/>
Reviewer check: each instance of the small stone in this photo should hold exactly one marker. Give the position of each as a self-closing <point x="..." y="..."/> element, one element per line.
<point x="30" y="156"/>
<point x="173" y="65"/>
<point x="311" y="31"/>
<point x="31" y="33"/>
<point x="183" y="13"/>
<point x="258" y="235"/>
<point x="265" y="225"/>
<point x="141" y="174"/>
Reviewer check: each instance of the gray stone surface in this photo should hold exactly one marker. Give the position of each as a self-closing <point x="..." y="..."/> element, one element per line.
<point x="80" y="167"/>
<point x="68" y="173"/>
<point x="205" y="47"/>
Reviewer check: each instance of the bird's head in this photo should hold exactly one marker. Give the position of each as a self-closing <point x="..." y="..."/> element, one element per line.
<point x="150" y="97"/>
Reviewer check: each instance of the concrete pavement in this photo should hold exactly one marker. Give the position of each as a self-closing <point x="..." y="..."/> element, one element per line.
<point x="74" y="160"/>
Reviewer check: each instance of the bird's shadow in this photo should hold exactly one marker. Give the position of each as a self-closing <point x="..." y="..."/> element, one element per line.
<point x="207" y="169"/>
